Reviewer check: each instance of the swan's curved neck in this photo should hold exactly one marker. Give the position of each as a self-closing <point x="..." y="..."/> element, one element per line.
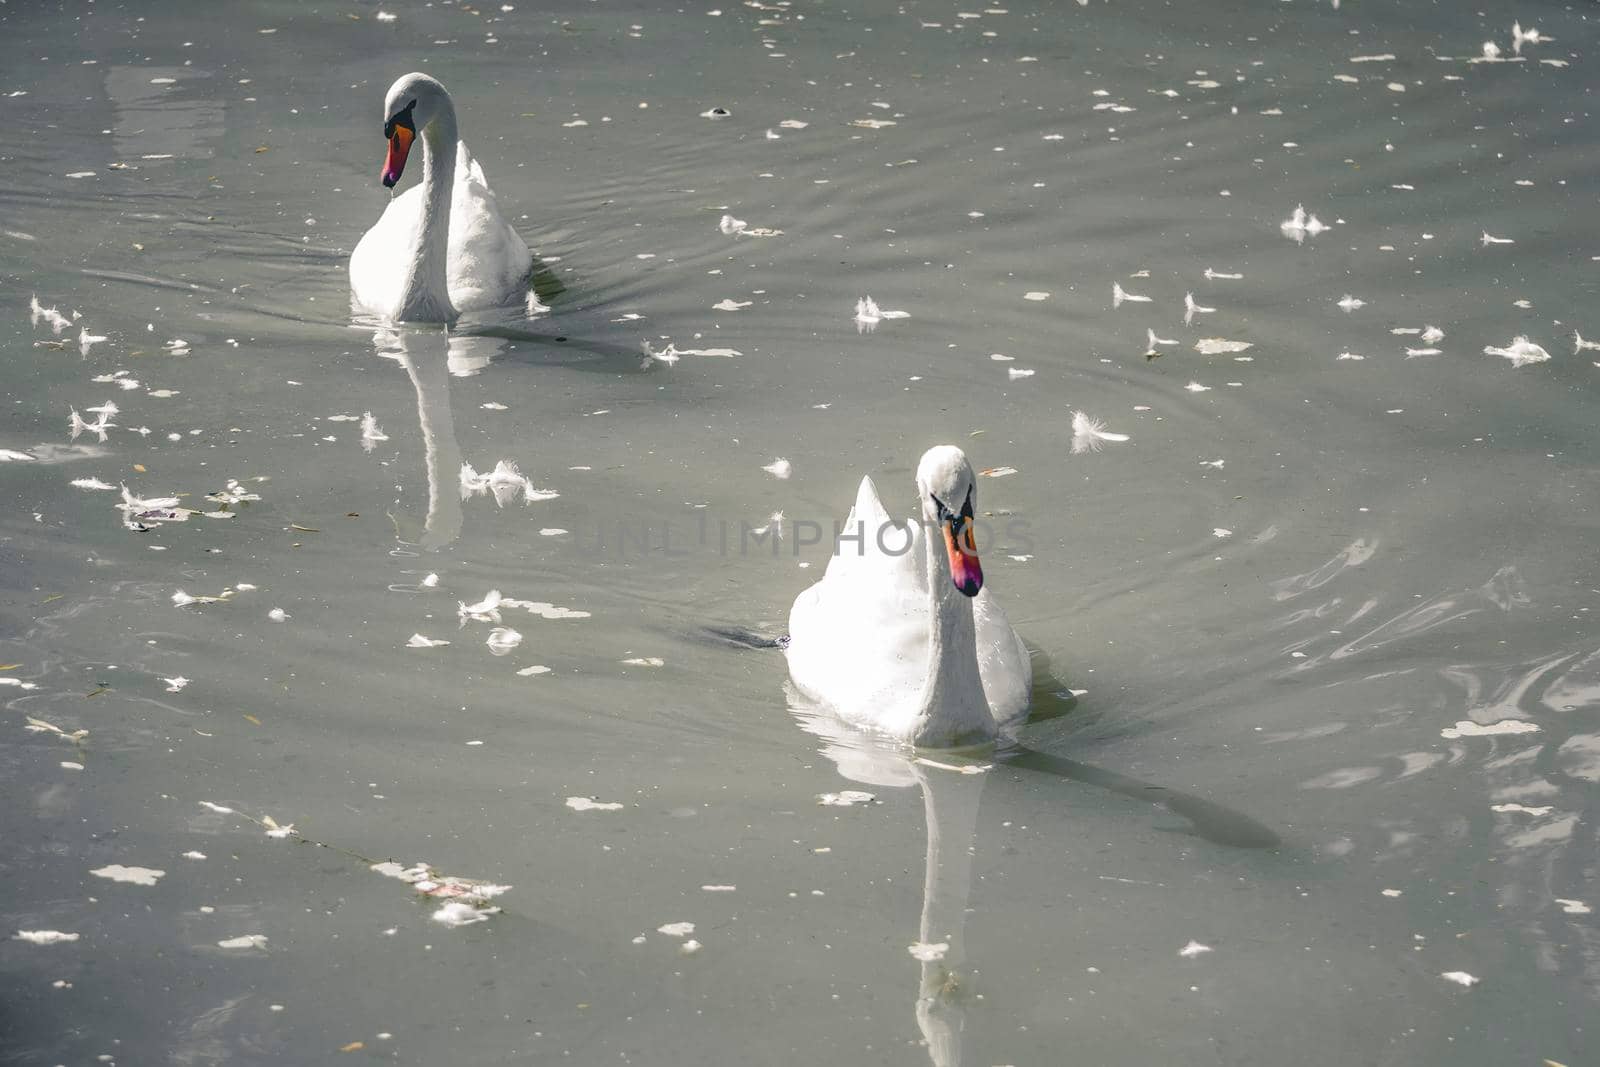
<point x="426" y="294"/>
<point x="953" y="709"/>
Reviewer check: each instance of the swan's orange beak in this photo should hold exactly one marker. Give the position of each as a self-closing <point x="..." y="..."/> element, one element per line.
<point x="965" y="570"/>
<point x="400" y="138"/>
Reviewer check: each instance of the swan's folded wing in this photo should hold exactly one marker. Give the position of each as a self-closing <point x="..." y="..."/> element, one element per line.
<point x="489" y="261"/>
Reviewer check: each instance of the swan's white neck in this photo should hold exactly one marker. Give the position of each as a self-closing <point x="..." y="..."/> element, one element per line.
<point x="953" y="709"/>
<point x="425" y="296"/>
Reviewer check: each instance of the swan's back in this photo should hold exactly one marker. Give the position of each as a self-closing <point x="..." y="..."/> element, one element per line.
<point x="489" y="262"/>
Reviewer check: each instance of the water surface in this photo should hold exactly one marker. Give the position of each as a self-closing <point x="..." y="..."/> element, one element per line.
<point x="1329" y="617"/>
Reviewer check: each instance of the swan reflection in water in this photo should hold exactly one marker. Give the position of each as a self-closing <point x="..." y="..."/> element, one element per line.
<point x="952" y="785"/>
<point x="430" y="356"/>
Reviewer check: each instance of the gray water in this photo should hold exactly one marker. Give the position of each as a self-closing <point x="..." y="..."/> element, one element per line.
<point x="1320" y="685"/>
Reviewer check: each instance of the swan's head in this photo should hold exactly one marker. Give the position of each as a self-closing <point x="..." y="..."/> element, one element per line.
<point x="413" y="102"/>
<point x="947" y="486"/>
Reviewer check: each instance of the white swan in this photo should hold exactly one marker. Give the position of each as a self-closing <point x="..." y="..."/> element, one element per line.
<point x="442" y="247"/>
<point x="900" y="636"/>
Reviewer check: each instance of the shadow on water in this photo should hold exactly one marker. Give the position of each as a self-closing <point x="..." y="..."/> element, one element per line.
<point x="1051" y="699"/>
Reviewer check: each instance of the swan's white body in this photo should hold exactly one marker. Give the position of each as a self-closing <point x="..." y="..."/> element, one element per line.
<point x="888" y="643"/>
<point x="441" y="247"/>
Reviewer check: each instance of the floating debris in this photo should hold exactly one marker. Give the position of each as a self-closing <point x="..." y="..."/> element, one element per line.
<point x="1579" y="344"/>
<point x="1216" y="275"/>
<point x="1216" y="346"/>
<point x="116" y="872"/>
<point x="1461" y="978"/>
<point x="679" y="929"/>
<point x="781" y="468"/>
<point x="1490" y="239"/>
<point x="1350" y="303"/>
<point x="1193" y="949"/>
<point x="90" y="483"/>
<point x="739" y="228"/>
<point x="544" y="610"/>
<point x="928" y="953"/>
<point x="1521" y="808"/>
<point x="39" y="726"/>
<point x="590" y="804"/>
<point x="45" y="937"/>
<point x="244" y="941"/>
<point x="1468" y="728"/>
<point x="462" y="913"/>
<point x="846" y="798"/>
<point x="232" y="493"/>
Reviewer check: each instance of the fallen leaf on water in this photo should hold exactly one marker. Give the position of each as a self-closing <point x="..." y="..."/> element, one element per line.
<point x="354" y="1046"/>
<point x="303" y="529"/>
<point x="139" y="467"/>
<point x="262" y="149"/>
<point x="251" y="718"/>
<point x="9" y="666"/>
<point x="98" y="690"/>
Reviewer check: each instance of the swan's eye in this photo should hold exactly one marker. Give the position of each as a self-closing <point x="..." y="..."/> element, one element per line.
<point x="940" y="510"/>
<point x="401" y="118"/>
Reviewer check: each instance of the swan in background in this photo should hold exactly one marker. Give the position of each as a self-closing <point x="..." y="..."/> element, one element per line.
<point x="442" y="247"/>
<point x="900" y="636"/>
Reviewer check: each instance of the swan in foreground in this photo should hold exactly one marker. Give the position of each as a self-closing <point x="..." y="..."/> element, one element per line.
<point x="442" y="247"/>
<point x="900" y="636"/>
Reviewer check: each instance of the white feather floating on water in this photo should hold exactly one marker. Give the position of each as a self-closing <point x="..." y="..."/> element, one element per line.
<point x="51" y="316"/>
<point x="869" y="314"/>
<point x="1119" y="296"/>
<point x="1579" y="344"/>
<point x="1191" y="309"/>
<point x="485" y="610"/>
<point x="371" y="433"/>
<point x="1153" y="343"/>
<point x="1089" y="434"/>
<point x="1520" y="352"/>
<point x="1349" y="303"/>
<point x="420" y="641"/>
<point x="86" y="340"/>
<point x="1298" y="226"/>
<point x="779" y="468"/>
<point x="1531" y="35"/>
<point x="505" y="482"/>
<point x="1489" y="239"/>
<point x="1216" y="275"/>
